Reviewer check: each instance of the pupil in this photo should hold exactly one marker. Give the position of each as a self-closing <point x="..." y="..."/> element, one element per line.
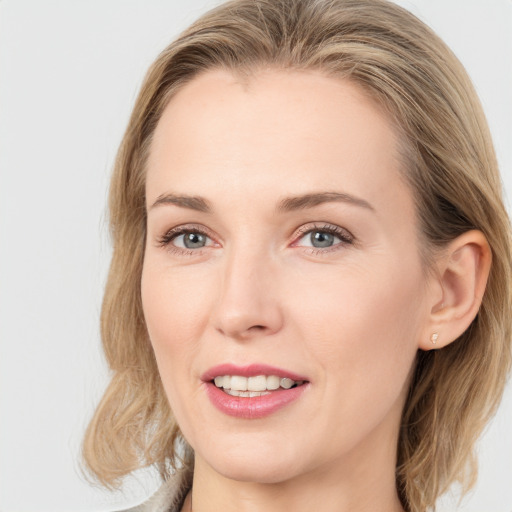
<point x="193" y="240"/>
<point x="321" y="239"/>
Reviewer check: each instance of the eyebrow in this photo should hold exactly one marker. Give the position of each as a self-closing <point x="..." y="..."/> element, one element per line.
<point x="288" y="204"/>
<point x="310" y="200"/>
<point x="191" y="202"/>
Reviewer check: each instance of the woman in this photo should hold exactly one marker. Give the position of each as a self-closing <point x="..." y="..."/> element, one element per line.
<point x="309" y="297"/>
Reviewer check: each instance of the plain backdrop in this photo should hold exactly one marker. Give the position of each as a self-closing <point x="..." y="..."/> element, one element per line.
<point x="69" y="74"/>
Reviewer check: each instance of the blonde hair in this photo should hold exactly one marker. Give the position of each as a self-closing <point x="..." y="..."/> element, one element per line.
<point x="452" y="171"/>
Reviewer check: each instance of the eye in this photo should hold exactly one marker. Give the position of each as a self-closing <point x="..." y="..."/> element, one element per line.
<point x="191" y="240"/>
<point x="321" y="239"/>
<point x="185" y="238"/>
<point x="325" y="237"/>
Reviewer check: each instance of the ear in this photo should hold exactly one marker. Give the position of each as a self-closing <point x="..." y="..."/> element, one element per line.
<point x="462" y="273"/>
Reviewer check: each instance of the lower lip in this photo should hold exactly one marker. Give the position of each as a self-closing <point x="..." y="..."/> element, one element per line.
<point x="254" y="407"/>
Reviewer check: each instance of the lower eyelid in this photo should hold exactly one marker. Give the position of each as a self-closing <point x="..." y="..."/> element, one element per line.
<point x="181" y="251"/>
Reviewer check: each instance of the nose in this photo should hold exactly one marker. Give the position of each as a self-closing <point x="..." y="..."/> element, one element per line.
<point x="248" y="302"/>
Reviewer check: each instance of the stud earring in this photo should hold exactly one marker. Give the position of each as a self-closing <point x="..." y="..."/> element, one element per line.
<point x="434" y="338"/>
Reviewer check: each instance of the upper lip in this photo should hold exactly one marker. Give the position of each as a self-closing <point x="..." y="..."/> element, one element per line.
<point x="250" y="370"/>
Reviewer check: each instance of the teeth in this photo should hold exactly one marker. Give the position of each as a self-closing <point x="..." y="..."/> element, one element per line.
<point x="286" y="383"/>
<point x="246" y="394"/>
<point x="237" y="385"/>
<point x="258" y="383"/>
<point x="273" y="382"/>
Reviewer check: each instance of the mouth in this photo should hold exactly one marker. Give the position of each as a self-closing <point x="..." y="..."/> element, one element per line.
<point x="254" y="391"/>
<point x="250" y="387"/>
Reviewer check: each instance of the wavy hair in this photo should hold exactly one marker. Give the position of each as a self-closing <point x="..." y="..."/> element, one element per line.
<point x="452" y="171"/>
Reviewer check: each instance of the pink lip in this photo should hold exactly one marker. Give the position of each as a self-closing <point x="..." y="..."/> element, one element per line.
<point x="255" y="407"/>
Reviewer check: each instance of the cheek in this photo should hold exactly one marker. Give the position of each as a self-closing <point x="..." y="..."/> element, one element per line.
<point x="173" y="303"/>
<point x="382" y="299"/>
<point x="175" y="310"/>
<point x="362" y="325"/>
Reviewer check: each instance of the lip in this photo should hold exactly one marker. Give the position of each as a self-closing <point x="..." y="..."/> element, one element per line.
<point x="258" y="406"/>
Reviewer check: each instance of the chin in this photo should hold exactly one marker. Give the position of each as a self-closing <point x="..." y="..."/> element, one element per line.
<point x="266" y="466"/>
<point x="261" y="473"/>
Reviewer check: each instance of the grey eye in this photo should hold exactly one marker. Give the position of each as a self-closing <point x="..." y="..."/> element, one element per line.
<point x="194" y="240"/>
<point x="322" y="239"/>
<point x="190" y="240"/>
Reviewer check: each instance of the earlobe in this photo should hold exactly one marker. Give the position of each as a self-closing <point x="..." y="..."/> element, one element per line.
<point x="463" y="270"/>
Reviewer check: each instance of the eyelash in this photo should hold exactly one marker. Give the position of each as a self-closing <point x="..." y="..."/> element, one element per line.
<point x="346" y="238"/>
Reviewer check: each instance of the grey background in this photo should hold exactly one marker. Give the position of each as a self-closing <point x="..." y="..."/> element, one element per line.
<point x="69" y="73"/>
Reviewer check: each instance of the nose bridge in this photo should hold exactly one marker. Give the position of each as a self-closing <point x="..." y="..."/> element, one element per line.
<point x="247" y="301"/>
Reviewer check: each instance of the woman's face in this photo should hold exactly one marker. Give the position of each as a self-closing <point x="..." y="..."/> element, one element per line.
<point x="282" y="246"/>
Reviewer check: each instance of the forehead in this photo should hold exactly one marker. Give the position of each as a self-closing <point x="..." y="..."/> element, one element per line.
<point x="293" y="130"/>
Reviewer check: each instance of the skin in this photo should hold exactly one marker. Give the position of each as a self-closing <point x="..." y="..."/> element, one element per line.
<point x="349" y="317"/>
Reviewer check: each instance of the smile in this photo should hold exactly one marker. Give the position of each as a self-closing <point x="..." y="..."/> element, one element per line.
<point x="254" y="391"/>
<point x="249" y="387"/>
